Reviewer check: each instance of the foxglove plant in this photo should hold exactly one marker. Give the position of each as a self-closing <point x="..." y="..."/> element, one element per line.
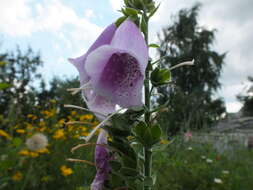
<point x="113" y="72"/>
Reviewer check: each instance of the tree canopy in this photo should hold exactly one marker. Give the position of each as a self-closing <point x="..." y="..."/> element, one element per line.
<point x="191" y="102"/>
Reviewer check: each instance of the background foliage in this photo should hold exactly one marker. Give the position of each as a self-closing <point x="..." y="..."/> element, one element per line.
<point x="191" y="103"/>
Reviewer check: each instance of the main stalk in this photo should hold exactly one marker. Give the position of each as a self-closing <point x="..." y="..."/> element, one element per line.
<point x="147" y="151"/>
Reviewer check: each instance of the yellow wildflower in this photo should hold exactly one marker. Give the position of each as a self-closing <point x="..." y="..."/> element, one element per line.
<point x="17" y="176"/>
<point x="95" y="123"/>
<point x="48" y="113"/>
<point x="164" y="141"/>
<point x="76" y="136"/>
<point x="130" y="138"/>
<point x="42" y="129"/>
<point x="73" y="113"/>
<point x="86" y="117"/>
<point x="43" y="151"/>
<point x="42" y="124"/>
<point x="85" y="134"/>
<point x="34" y="154"/>
<point x="61" y="121"/>
<point x="4" y="134"/>
<point x="21" y="131"/>
<point x="46" y="178"/>
<point x="58" y="134"/>
<point x="34" y="117"/>
<point x="65" y="171"/>
<point x="110" y="139"/>
<point x="31" y="116"/>
<point x="70" y="128"/>
<point x="29" y="126"/>
<point x="24" y="152"/>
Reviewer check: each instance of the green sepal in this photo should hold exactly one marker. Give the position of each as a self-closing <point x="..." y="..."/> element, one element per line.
<point x="120" y="20"/>
<point x="130" y="11"/>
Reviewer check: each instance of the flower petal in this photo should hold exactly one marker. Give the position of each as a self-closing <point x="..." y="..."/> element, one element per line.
<point x="129" y="37"/>
<point x="116" y="75"/>
<point x="104" y="38"/>
<point x="79" y="64"/>
<point x="99" y="104"/>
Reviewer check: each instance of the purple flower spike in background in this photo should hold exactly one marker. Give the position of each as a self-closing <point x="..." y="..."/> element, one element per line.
<point x="117" y="70"/>
<point x="102" y="158"/>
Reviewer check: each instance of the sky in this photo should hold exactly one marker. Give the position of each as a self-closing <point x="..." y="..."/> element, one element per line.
<point x="60" y="29"/>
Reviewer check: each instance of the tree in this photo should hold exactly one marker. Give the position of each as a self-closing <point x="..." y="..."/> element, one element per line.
<point x="247" y="100"/>
<point x="58" y="92"/>
<point x="191" y="103"/>
<point x="17" y="73"/>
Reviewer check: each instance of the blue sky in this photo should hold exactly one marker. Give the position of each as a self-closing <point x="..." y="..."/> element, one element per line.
<point x="60" y="29"/>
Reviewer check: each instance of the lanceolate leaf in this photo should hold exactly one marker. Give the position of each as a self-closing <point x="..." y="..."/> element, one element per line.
<point x="4" y="86"/>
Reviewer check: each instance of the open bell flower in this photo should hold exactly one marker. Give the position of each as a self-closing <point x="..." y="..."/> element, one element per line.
<point x="113" y="69"/>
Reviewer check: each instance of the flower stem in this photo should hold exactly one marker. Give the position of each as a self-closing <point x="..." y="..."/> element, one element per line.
<point x="147" y="151"/>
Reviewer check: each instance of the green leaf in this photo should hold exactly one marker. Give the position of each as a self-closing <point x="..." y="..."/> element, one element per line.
<point x="147" y="135"/>
<point x="17" y="141"/>
<point x="160" y="77"/>
<point x="156" y="133"/>
<point x="153" y="46"/>
<point x="126" y="3"/>
<point x="129" y="172"/>
<point x="120" y="20"/>
<point x="115" y="165"/>
<point x="130" y="162"/>
<point x="116" y="180"/>
<point x="147" y="138"/>
<point x="4" y="86"/>
<point x="148" y="181"/>
<point x="154" y="11"/>
<point x="140" y="129"/>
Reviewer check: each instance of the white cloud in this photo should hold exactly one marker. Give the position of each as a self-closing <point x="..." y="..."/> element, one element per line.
<point x="116" y="4"/>
<point x="71" y="34"/>
<point x="15" y="17"/>
<point x="89" y="13"/>
<point x="19" y="17"/>
<point x="233" y="107"/>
